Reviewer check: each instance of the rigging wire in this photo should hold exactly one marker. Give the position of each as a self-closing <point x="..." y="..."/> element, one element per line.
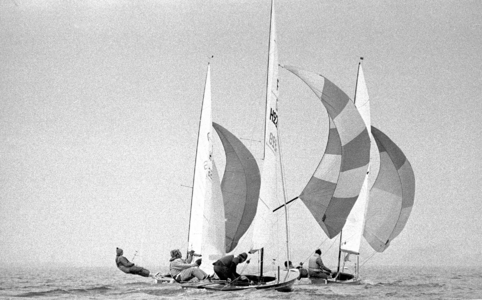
<point x="368" y="258"/>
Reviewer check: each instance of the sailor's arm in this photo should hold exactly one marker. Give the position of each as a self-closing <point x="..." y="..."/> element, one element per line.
<point x="126" y="263"/>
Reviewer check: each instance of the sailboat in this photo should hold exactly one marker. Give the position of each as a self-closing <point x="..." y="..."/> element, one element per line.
<point x="263" y="234"/>
<point x="220" y="212"/>
<point x="206" y="221"/>
<point x="379" y="213"/>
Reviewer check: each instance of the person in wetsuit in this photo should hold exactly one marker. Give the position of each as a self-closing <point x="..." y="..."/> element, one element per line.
<point x="127" y="267"/>
<point x="225" y="267"/>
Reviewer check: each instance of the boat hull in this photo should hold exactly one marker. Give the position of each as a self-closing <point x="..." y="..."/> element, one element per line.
<point x="286" y="286"/>
<point x="343" y="278"/>
<point x="256" y="283"/>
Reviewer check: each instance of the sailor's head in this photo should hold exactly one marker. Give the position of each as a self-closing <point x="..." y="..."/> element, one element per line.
<point x="318" y="251"/>
<point x="119" y="251"/>
<point x="286" y="264"/>
<point x="176" y="253"/>
<point x="243" y="257"/>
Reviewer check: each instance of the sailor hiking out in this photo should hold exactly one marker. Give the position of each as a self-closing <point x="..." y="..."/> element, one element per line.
<point x="127" y="267"/>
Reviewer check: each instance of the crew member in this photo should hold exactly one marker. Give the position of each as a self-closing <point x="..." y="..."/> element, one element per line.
<point x="316" y="268"/>
<point x="225" y="267"/>
<point x="127" y="267"/>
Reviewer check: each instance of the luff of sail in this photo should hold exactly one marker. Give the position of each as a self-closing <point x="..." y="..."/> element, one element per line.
<point x="353" y="229"/>
<point x="240" y="187"/>
<point x="203" y="199"/>
<point x="392" y="194"/>
<point x="333" y="189"/>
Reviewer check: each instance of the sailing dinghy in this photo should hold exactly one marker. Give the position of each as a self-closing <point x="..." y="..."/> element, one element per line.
<point x="264" y="234"/>
<point x="220" y="212"/>
<point x="206" y="221"/>
<point x="380" y="213"/>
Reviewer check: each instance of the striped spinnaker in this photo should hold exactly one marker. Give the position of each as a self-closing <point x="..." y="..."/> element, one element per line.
<point x="240" y="187"/>
<point x="334" y="187"/>
<point x="392" y="194"/>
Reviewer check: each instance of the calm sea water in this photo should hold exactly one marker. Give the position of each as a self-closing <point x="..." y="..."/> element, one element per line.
<point x="109" y="283"/>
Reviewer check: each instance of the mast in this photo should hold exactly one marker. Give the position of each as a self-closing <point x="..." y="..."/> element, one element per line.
<point x="357" y="76"/>
<point x="272" y="66"/>
<point x="339" y="253"/>
<point x="271" y="41"/>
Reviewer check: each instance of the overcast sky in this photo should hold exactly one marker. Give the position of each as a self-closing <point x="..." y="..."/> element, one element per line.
<point x="100" y="104"/>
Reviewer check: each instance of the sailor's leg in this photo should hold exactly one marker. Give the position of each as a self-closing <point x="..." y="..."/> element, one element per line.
<point x="139" y="271"/>
<point x="221" y="271"/>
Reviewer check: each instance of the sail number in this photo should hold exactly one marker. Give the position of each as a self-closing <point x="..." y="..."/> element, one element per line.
<point x="273" y="116"/>
<point x="273" y="142"/>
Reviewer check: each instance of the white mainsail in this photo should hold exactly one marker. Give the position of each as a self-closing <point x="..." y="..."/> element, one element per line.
<point x="212" y="246"/>
<point x="355" y="223"/>
<point x="206" y="235"/>
<point x="271" y="229"/>
<point x="268" y="200"/>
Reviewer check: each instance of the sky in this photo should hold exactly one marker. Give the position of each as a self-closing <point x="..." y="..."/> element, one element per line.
<point x="100" y="104"/>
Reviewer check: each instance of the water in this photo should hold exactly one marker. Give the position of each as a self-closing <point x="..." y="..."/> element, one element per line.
<point x="110" y="283"/>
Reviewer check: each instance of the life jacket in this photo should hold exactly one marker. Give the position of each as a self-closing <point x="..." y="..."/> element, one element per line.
<point x="120" y="264"/>
<point x="312" y="265"/>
